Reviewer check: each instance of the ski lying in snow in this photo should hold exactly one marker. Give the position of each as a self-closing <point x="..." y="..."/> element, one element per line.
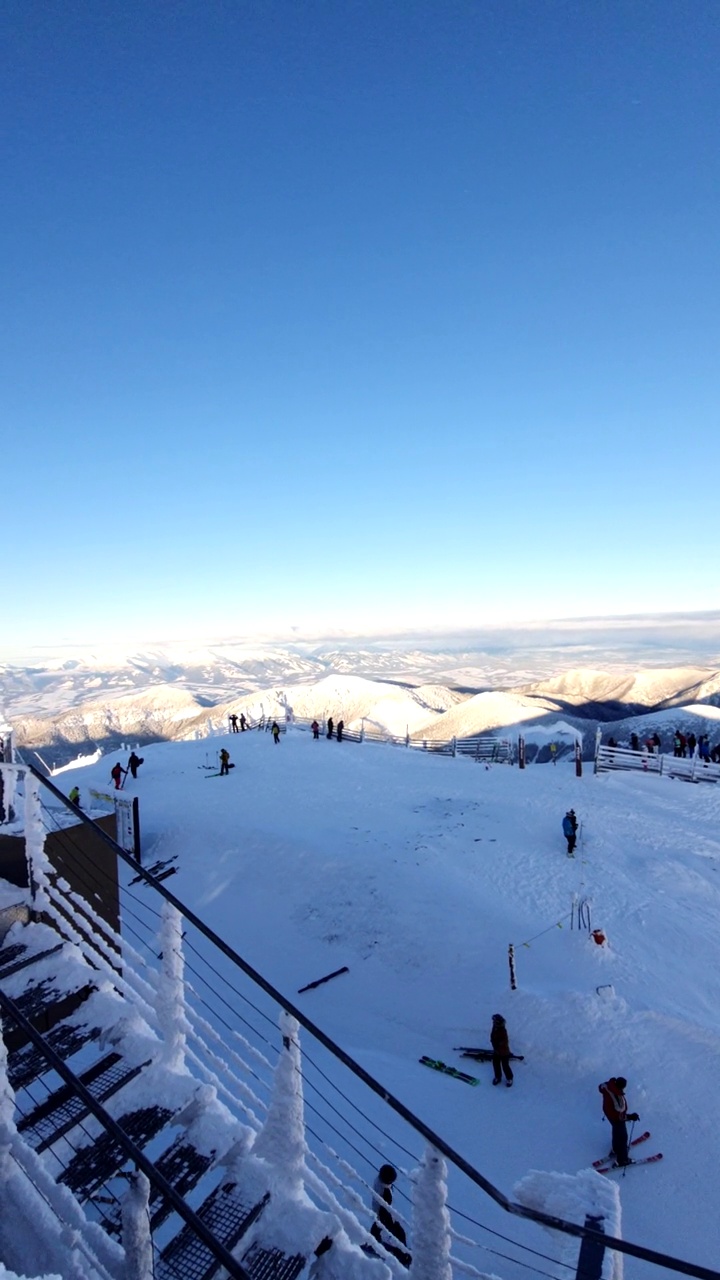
<point x="218" y="775"/>
<point x="484" y="1055"/>
<point x="609" y="1168"/>
<point x="437" y="1065"/>
<point x="164" y="874"/>
<point x="599" y="1164"/>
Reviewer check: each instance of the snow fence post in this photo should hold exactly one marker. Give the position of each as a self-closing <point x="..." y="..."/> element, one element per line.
<point x="281" y="1140"/>
<point x="453" y="744"/>
<point x="511" y="962"/>
<point x="521" y="752"/>
<point x="578" y="759"/>
<point x="136" y="1237"/>
<point x="431" y="1220"/>
<point x="592" y="1252"/>
<point x="170" y="998"/>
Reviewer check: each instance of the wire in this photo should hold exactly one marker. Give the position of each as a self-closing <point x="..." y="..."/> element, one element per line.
<point x="516" y="1243"/>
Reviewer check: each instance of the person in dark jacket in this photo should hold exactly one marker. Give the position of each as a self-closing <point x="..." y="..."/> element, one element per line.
<point x="569" y="826"/>
<point x="615" y="1110"/>
<point x="331" y="725"/>
<point x="74" y="797"/>
<point x="275" y="732"/>
<point x="134" y="763"/>
<point x="386" y="1228"/>
<point x="656" y="740"/>
<point x="340" y="727"/>
<point x="233" y="723"/>
<point x="315" y="730"/>
<point x="501" y="1051"/>
<point x="243" y="722"/>
<point x="224" y="762"/>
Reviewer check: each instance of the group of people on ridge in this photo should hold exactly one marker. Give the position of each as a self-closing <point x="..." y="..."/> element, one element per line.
<point x="234" y="723"/>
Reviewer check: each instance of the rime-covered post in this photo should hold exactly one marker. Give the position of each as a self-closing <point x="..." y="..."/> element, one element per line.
<point x="282" y="1139"/>
<point x="430" y="1242"/>
<point x="7" y="1112"/>
<point x="170" y="1001"/>
<point x="37" y="862"/>
<point x="136" y="1237"/>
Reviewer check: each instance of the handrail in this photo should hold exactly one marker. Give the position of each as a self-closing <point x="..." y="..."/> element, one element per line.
<point x="510" y="1206"/>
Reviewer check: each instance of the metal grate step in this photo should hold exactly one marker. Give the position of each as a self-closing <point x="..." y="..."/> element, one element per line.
<point x="183" y="1167"/>
<point x="28" y="1063"/>
<point x="100" y="1160"/>
<point x="44" y="1007"/>
<point x="228" y="1216"/>
<point x="272" y="1264"/>
<point x="10" y="968"/>
<point x="59" y="1113"/>
<point x="10" y="954"/>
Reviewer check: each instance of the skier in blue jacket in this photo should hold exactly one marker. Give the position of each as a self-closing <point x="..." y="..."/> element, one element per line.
<point x="569" y="826"/>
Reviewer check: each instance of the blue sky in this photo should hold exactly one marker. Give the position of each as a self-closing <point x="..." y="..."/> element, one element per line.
<point x="368" y="312"/>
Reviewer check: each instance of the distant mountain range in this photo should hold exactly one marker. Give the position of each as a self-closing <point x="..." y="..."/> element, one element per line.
<point x="62" y="708"/>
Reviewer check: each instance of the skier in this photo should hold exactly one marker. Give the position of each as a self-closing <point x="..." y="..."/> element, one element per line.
<point x="330" y="727"/>
<point x="501" y="1051"/>
<point x="243" y="722"/>
<point x="615" y="1110"/>
<point x="74" y="797"/>
<point x="275" y="732"/>
<point x="634" y="742"/>
<point x="340" y="727"/>
<point x="656" y="740"/>
<point x="224" y="761"/>
<point x="386" y="1228"/>
<point x="315" y="730"/>
<point x="569" y="826"/>
<point x="117" y="773"/>
<point x="233" y="723"/>
<point x="134" y="763"/>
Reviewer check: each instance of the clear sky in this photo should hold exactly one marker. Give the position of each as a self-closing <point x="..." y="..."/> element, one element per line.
<point x="379" y="312"/>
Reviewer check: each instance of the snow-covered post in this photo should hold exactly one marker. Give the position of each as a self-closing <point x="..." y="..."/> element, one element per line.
<point x="136" y="1236"/>
<point x="431" y="1221"/>
<point x="453" y="744"/>
<point x="37" y="860"/>
<point x="511" y="963"/>
<point x="281" y="1140"/>
<point x="7" y="1112"/>
<point x="170" y="1000"/>
<point x="521" y="752"/>
<point x="587" y="1199"/>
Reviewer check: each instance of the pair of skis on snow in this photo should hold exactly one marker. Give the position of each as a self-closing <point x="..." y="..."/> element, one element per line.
<point x="479" y="1055"/>
<point x="608" y="1163"/>
<point x="605" y="1165"/>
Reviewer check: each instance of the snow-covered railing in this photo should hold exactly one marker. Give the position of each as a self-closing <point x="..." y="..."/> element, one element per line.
<point x="694" y="769"/>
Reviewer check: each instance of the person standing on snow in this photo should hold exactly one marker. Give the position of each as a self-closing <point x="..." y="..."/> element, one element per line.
<point x="224" y="761"/>
<point x="117" y="773"/>
<point x="615" y="1110"/>
<point x="134" y="763"/>
<point x="569" y="826"/>
<point x="386" y="1228"/>
<point x="331" y="726"/>
<point x="315" y="730"/>
<point x="339" y="731"/>
<point x="501" y="1051"/>
<point x="275" y="732"/>
<point x="74" y="797"/>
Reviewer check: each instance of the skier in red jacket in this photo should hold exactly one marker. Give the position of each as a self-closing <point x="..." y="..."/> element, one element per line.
<point x="615" y="1110"/>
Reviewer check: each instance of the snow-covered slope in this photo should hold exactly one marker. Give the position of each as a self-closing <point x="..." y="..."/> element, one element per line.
<point x="416" y="871"/>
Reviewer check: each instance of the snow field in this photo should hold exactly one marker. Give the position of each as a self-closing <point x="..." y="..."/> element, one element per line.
<point x="417" y="871"/>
